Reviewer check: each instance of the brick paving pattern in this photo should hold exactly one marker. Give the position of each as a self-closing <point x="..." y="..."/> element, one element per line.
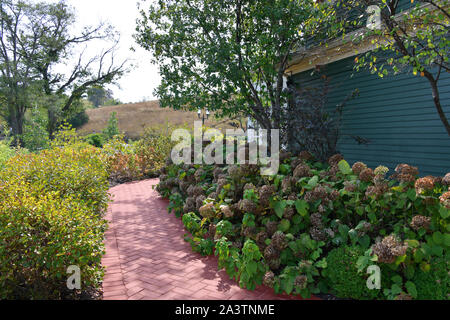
<point x="147" y="258"/>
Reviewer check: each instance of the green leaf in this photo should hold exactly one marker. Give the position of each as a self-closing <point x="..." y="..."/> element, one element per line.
<point x="313" y="182"/>
<point x="396" y="290"/>
<point x="411" y="193"/>
<point x="438" y="238"/>
<point x="447" y="239"/>
<point x="284" y="225"/>
<point x="297" y="219"/>
<point x="364" y="241"/>
<point x="411" y="289"/>
<point x="302" y="207"/>
<point x="360" y="210"/>
<point x="279" y="208"/>
<point x="413" y="243"/>
<point x="397" y="279"/>
<point x="252" y="267"/>
<point x="444" y="212"/>
<point x="418" y="255"/>
<point x="344" y="167"/>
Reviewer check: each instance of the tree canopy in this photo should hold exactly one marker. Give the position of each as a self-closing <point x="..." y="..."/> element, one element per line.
<point x="227" y="56"/>
<point x="37" y="37"/>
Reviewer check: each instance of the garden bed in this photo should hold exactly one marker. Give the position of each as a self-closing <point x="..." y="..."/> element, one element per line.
<point x="317" y="228"/>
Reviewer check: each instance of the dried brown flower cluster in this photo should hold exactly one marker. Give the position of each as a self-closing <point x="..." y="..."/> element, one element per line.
<point x="389" y="249"/>
<point x="446" y="180"/>
<point x="226" y="211"/>
<point x="367" y="175"/>
<point x="220" y="184"/>
<point x="316" y="220"/>
<point x="301" y="282"/>
<point x="271" y="228"/>
<point x="247" y="232"/>
<point x="288" y="184"/>
<point x="247" y="206"/>
<point x="318" y="234"/>
<point x="334" y="160"/>
<point x="358" y="167"/>
<point x="317" y="193"/>
<point x="234" y="172"/>
<point x="305" y="155"/>
<point x="420" y="222"/>
<point x="350" y="186"/>
<point x="445" y="200"/>
<point x="265" y="192"/>
<point x="208" y="211"/>
<point x="269" y="279"/>
<point x="289" y="213"/>
<point x="302" y="170"/>
<point x="261" y="238"/>
<point x="279" y="241"/>
<point x="212" y="196"/>
<point x="217" y="172"/>
<point x="424" y="184"/>
<point x="199" y="201"/>
<point x="406" y="173"/>
<point x="195" y="191"/>
<point x="190" y="205"/>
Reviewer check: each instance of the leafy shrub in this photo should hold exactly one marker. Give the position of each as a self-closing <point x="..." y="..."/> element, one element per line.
<point x="40" y="238"/>
<point x="433" y="284"/>
<point x="141" y="159"/>
<point x="343" y="275"/>
<point x="96" y="139"/>
<point x="6" y="152"/>
<point x="51" y="206"/>
<point x="35" y="136"/>
<point x="79" y="119"/>
<point x="112" y="129"/>
<point x="297" y="217"/>
<point x="76" y="174"/>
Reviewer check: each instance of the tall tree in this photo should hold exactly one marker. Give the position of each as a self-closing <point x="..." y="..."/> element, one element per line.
<point x="36" y="39"/>
<point x="98" y="95"/>
<point x="229" y="56"/>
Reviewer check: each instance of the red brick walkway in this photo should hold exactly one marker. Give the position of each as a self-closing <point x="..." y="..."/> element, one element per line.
<point x="147" y="257"/>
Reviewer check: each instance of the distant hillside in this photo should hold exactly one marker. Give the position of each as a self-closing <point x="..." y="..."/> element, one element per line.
<point x="135" y="117"/>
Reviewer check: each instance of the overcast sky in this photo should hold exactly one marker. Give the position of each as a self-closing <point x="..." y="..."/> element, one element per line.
<point x="122" y="14"/>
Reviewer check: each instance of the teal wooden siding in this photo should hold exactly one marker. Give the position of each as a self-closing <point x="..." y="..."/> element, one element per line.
<point x="395" y="113"/>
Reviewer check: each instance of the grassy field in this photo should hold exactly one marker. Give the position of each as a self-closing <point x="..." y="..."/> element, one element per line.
<point x="135" y="117"/>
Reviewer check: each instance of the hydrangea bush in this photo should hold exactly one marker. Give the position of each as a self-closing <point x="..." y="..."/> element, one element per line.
<point x="289" y="231"/>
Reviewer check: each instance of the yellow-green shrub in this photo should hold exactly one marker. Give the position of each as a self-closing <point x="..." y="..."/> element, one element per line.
<point x="40" y="237"/>
<point x="77" y="173"/>
<point x="51" y="206"/>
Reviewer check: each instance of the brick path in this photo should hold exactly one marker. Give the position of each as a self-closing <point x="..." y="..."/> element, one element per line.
<point x="147" y="257"/>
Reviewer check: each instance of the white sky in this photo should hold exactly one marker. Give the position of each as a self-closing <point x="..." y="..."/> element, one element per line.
<point x="122" y="14"/>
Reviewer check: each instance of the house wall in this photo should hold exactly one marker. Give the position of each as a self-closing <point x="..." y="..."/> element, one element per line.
<point x="396" y="114"/>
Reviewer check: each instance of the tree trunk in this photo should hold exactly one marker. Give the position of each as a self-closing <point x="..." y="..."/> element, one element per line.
<point x="16" y="121"/>
<point x="437" y="101"/>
